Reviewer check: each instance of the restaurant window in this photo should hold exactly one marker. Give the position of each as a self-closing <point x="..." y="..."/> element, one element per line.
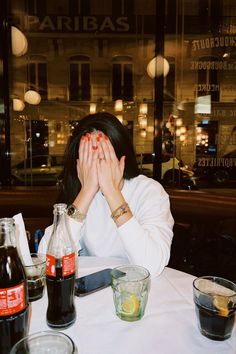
<point x="122" y="7"/>
<point x="208" y="77"/>
<point x="169" y="82"/>
<point x="37" y="137"/>
<point x="102" y="7"/>
<point x="37" y="76"/>
<point x="36" y="7"/>
<point x="82" y="55"/>
<point x="171" y="11"/>
<point x="80" y="88"/>
<point x="57" y="7"/>
<point x="206" y="135"/>
<point x="122" y="78"/>
<point x="79" y="7"/>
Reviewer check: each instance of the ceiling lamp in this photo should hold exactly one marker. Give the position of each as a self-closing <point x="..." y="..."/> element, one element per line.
<point x="118" y="105"/>
<point x="32" y="97"/>
<point x="18" y="105"/>
<point x="143" y="108"/>
<point x="158" y="66"/>
<point x="93" y="108"/>
<point x="19" y="43"/>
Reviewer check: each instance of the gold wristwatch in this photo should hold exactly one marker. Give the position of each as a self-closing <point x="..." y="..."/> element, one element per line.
<point x="74" y="213"/>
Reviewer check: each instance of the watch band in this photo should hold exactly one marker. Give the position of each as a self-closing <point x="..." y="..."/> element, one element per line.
<point x="74" y="213"/>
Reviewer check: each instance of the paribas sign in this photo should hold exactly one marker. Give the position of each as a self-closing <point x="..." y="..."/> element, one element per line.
<point x="81" y="24"/>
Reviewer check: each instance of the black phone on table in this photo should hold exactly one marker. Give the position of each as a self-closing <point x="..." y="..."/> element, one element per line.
<point x="94" y="282"/>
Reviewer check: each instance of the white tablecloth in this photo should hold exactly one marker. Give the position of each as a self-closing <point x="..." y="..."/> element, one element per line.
<point x="169" y="325"/>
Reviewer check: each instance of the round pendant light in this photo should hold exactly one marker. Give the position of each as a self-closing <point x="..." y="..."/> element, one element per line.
<point x="18" y="105"/>
<point x="19" y="43"/>
<point x="158" y="66"/>
<point x="32" y="97"/>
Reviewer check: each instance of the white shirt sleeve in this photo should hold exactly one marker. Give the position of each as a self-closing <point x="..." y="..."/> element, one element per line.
<point x="75" y="228"/>
<point x="147" y="236"/>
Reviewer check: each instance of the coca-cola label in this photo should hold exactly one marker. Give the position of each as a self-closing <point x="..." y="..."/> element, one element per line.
<point x="51" y="265"/>
<point x="68" y="264"/>
<point x="12" y="300"/>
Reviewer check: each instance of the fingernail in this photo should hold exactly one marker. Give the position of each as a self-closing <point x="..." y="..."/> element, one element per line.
<point x="98" y="138"/>
<point x="106" y="137"/>
<point x="100" y="135"/>
<point x="82" y="137"/>
<point x="88" y="136"/>
<point x="94" y="147"/>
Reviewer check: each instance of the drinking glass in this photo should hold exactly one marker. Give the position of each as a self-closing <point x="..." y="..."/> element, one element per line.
<point x="35" y="269"/>
<point x="47" y="342"/>
<point x="215" y="304"/>
<point x="130" y="284"/>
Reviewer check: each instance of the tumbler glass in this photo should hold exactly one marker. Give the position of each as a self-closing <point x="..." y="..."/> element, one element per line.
<point x="130" y="291"/>
<point x="215" y="304"/>
<point x="35" y="269"/>
<point x="47" y="342"/>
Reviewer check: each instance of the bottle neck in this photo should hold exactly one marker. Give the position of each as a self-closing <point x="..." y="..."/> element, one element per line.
<point x="7" y="232"/>
<point x="59" y="215"/>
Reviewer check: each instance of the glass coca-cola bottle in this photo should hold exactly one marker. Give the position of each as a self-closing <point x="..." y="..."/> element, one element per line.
<point x="60" y="273"/>
<point x="14" y="309"/>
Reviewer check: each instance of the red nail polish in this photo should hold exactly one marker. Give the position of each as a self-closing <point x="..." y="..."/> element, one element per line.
<point x="100" y="135"/>
<point x="106" y="137"/>
<point x="98" y="138"/>
<point x="82" y="137"/>
<point x="94" y="147"/>
<point x="88" y="136"/>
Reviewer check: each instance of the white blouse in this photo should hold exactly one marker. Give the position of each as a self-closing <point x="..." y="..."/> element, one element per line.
<point x="144" y="240"/>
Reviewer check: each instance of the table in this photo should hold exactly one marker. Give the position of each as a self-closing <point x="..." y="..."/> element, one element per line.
<point x="169" y="325"/>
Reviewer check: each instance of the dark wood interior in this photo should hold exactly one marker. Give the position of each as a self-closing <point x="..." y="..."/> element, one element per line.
<point x="204" y="233"/>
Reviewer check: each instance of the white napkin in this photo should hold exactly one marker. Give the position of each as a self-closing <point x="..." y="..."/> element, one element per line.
<point x="21" y="240"/>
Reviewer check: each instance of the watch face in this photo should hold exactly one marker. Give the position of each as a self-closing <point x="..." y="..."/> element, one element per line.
<point x="71" y="210"/>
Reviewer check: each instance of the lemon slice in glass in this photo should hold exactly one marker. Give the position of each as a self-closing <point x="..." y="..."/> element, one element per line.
<point x="130" y="305"/>
<point x="221" y="303"/>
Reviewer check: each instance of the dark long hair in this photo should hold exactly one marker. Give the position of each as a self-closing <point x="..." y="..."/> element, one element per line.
<point x="119" y="137"/>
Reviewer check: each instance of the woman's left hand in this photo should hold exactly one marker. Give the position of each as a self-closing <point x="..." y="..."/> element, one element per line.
<point x="110" y="169"/>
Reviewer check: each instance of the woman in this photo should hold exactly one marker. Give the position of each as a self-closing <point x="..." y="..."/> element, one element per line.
<point x="114" y="211"/>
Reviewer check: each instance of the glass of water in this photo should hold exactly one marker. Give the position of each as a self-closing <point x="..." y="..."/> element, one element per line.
<point x="130" y="291"/>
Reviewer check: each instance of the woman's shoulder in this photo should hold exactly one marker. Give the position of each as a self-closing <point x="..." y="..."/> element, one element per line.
<point x="146" y="185"/>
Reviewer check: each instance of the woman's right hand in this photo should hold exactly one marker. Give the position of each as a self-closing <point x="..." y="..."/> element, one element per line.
<point x="86" y="164"/>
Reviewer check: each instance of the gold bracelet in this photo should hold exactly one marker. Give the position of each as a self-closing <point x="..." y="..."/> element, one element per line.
<point x="121" y="210"/>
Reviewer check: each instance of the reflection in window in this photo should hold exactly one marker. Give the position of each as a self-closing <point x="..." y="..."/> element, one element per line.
<point x="208" y="77"/>
<point x="122" y="79"/>
<point x="122" y="7"/>
<point x="101" y="7"/>
<point x="79" y="7"/>
<point x="169" y="81"/>
<point x="80" y="78"/>
<point x="36" y="7"/>
<point x="37" y="76"/>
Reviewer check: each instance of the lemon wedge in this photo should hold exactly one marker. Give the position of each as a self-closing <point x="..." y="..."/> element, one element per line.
<point x="130" y="305"/>
<point x="221" y="303"/>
